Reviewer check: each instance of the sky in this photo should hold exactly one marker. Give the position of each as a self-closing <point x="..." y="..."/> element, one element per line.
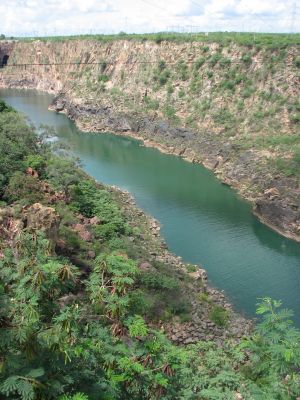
<point x="63" y="17"/>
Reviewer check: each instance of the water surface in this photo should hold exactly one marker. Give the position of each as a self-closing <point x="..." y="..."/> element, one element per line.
<point x="203" y="221"/>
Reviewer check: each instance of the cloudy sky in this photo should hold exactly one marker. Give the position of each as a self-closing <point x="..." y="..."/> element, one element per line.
<point x="50" y="17"/>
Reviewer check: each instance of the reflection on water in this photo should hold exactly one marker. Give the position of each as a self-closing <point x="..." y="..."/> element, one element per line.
<point x="202" y="220"/>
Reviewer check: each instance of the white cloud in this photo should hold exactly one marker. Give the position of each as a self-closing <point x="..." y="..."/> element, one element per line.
<point x="44" y="17"/>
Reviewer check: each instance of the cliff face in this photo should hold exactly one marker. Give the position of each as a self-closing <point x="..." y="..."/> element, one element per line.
<point x="233" y="108"/>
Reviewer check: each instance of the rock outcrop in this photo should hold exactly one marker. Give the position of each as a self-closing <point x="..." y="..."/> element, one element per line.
<point x="38" y="217"/>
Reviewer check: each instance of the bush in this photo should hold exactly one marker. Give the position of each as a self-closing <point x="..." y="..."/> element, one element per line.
<point x="214" y="59"/>
<point x="181" y="93"/>
<point x="157" y="280"/>
<point x="219" y="316"/>
<point x="103" y="78"/>
<point x="247" y="59"/>
<point x="161" y="76"/>
<point x="170" y="112"/>
<point x="23" y="187"/>
<point x="297" y="62"/>
<point x="161" y="65"/>
<point x="224" y="117"/>
<point x="151" y="104"/>
<point x="228" y="85"/>
<point x="295" y="118"/>
<point x="103" y="66"/>
<point x="36" y="162"/>
<point x="182" y="70"/>
<point x="225" y="62"/>
<point x="4" y="107"/>
<point x="198" y="63"/>
<point x="17" y="142"/>
<point x="247" y="92"/>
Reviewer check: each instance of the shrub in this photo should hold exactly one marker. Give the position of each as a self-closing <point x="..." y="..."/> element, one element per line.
<point x="198" y="63"/>
<point x="157" y="280"/>
<point x="182" y="70"/>
<point x="225" y="62"/>
<point x="195" y="84"/>
<point x="191" y="268"/>
<point x="247" y="92"/>
<point x="297" y="62"/>
<point x="151" y="104"/>
<point x="170" y="89"/>
<point x="161" y="76"/>
<point x="17" y="142"/>
<point x="161" y="65"/>
<point x="4" y="107"/>
<point x="295" y="118"/>
<point x="35" y="161"/>
<point x="23" y="187"/>
<point x="219" y="316"/>
<point x="103" y="66"/>
<point x="158" y="38"/>
<point x="223" y="117"/>
<point x="103" y="78"/>
<point x="246" y="58"/>
<point x="228" y="85"/>
<point x="204" y="298"/>
<point x="214" y="59"/>
<point x="170" y="112"/>
<point x="181" y="93"/>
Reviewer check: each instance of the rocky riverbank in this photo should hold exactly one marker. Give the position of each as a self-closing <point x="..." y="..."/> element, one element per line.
<point x="204" y="300"/>
<point x="210" y="316"/>
<point x="272" y="204"/>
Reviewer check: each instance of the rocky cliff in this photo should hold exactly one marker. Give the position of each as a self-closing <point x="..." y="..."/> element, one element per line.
<point x="233" y="108"/>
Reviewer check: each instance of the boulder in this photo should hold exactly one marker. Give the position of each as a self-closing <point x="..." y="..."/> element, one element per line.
<point x="95" y="221"/>
<point x="42" y="218"/>
<point x="83" y="233"/>
<point x="145" y="266"/>
<point x="200" y="276"/>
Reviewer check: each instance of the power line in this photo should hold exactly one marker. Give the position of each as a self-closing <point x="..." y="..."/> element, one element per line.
<point x="154" y="5"/>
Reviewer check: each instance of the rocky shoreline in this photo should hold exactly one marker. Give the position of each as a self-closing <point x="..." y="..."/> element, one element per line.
<point x="202" y="297"/>
<point x="280" y="212"/>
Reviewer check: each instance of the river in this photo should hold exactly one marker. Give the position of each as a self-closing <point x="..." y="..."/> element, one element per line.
<point x="202" y="220"/>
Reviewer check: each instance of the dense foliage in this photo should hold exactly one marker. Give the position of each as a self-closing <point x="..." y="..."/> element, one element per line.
<point x="77" y="327"/>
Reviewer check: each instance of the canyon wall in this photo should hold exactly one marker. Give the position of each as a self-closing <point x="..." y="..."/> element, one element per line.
<point x="233" y="108"/>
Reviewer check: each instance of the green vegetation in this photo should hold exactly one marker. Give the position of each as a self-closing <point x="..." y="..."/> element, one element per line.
<point x="272" y="40"/>
<point x="151" y="104"/>
<point x="80" y="317"/>
<point x="219" y="316"/>
<point x="161" y="74"/>
<point x="103" y="78"/>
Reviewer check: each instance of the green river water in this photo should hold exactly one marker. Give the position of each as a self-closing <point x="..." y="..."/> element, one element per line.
<point x="202" y="220"/>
